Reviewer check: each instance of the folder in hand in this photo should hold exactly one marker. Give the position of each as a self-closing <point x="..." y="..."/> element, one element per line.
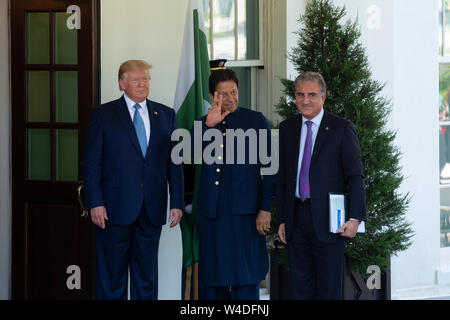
<point x="338" y="211"/>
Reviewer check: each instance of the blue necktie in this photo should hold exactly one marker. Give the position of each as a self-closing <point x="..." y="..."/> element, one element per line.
<point x="140" y="129"/>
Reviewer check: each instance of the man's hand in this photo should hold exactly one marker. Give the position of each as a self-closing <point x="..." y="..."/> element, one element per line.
<point x="215" y="114"/>
<point x="282" y="233"/>
<point x="98" y="216"/>
<point x="263" y="222"/>
<point x="350" y="229"/>
<point x="175" y="217"/>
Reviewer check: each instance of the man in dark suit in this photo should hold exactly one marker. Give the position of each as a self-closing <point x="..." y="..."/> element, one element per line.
<point x="319" y="154"/>
<point x="126" y="171"/>
<point x="235" y="200"/>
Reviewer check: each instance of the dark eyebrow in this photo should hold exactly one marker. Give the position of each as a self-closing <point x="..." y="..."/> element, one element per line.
<point x="305" y="93"/>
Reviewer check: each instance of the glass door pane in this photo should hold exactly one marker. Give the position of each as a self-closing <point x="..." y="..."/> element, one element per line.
<point x="66" y="40"/>
<point x="441" y="23"/>
<point x="447" y="27"/>
<point x="39" y="96"/>
<point x="252" y="30"/>
<point x="39" y="164"/>
<point x="224" y="29"/>
<point x="67" y="155"/>
<point x="445" y="217"/>
<point x="207" y="23"/>
<point x="66" y="90"/>
<point x="242" y="29"/>
<point x="38" y="37"/>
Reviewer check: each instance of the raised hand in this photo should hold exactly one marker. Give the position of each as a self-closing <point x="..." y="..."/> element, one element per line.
<point x="215" y="113"/>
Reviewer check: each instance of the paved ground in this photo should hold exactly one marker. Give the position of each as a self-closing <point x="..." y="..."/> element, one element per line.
<point x="264" y="294"/>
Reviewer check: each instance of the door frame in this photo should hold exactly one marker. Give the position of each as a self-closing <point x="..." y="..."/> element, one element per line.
<point x="19" y="286"/>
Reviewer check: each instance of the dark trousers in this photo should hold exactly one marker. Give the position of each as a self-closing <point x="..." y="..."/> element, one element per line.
<point x="128" y="247"/>
<point x="316" y="267"/>
<point x="249" y="292"/>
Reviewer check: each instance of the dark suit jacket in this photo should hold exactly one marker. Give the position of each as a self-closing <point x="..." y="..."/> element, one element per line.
<point x="335" y="167"/>
<point x="116" y="174"/>
<point x="251" y="191"/>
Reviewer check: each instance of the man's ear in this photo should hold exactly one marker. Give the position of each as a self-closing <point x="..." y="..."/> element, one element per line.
<point x="122" y="84"/>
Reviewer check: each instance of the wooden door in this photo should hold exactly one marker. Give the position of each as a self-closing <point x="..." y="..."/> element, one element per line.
<point x="54" y="88"/>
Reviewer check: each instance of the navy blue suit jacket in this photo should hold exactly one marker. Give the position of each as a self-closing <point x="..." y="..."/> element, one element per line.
<point x="335" y="167"/>
<point x="116" y="174"/>
<point x="251" y="191"/>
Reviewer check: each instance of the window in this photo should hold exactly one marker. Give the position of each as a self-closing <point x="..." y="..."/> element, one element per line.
<point x="233" y="29"/>
<point x="444" y="121"/>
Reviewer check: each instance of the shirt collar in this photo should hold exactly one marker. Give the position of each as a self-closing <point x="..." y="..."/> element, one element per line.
<point x="316" y="120"/>
<point x="131" y="103"/>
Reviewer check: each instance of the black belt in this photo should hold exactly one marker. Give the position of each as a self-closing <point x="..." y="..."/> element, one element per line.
<point x="306" y="201"/>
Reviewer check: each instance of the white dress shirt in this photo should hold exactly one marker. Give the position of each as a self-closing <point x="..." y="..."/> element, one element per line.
<point x="314" y="128"/>
<point x="143" y="111"/>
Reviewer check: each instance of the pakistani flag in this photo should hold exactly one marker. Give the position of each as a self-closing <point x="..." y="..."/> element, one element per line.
<point x="191" y="102"/>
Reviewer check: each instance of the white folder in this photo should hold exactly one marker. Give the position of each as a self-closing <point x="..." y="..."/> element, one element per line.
<point x="338" y="212"/>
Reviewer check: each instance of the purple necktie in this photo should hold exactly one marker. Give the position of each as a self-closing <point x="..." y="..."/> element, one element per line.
<point x="306" y="161"/>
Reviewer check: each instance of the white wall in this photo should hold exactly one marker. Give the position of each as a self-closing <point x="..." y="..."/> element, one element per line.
<point x="5" y="176"/>
<point x="416" y="117"/>
<point x="153" y="31"/>
<point x="401" y="42"/>
<point x="294" y="8"/>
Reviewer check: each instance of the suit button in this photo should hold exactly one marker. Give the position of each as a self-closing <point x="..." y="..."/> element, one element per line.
<point x="221" y="145"/>
<point x="218" y="170"/>
<point x="217" y="183"/>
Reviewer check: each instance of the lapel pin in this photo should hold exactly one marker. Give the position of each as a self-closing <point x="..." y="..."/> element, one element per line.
<point x="326" y="128"/>
<point x="155" y="113"/>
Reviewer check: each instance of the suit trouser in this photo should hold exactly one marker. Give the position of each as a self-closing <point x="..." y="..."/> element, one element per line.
<point x="131" y="247"/>
<point x="316" y="267"/>
<point x="248" y="292"/>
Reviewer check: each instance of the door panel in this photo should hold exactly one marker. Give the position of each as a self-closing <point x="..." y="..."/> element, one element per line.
<point x="54" y="88"/>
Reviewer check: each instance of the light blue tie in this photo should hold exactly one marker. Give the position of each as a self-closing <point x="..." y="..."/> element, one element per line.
<point x="140" y="129"/>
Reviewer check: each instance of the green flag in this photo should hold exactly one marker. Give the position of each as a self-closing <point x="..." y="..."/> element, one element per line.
<point x="191" y="101"/>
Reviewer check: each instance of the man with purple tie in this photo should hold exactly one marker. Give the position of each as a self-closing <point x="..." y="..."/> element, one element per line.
<point x="319" y="154"/>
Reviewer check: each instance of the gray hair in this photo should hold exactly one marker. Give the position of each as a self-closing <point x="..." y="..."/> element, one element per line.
<point x="309" y="76"/>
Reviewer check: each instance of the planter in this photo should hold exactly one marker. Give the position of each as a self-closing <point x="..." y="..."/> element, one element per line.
<point x="280" y="278"/>
<point x="354" y="286"/>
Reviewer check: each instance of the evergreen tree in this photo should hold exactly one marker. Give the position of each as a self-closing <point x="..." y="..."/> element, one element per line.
<point x="330" y="47"/>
